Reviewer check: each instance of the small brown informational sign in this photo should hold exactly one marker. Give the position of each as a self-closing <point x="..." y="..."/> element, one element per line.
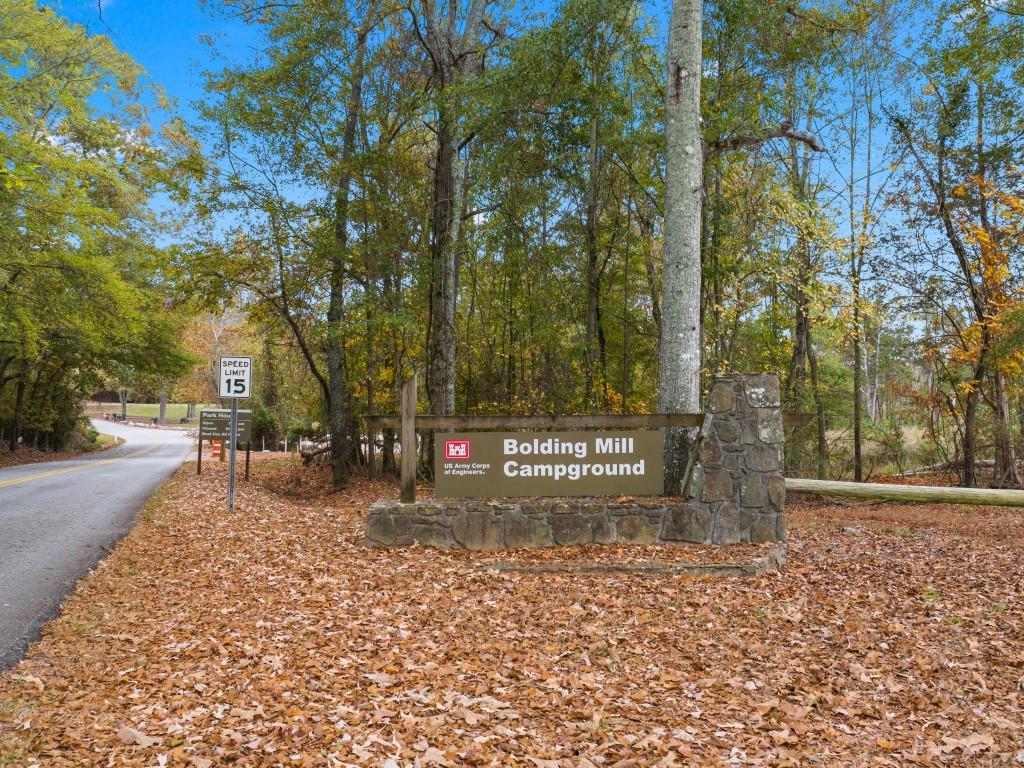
<point x="215" y="424"/>
<point x="549" y="463"/>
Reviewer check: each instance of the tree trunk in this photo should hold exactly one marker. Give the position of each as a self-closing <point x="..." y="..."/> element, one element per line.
<point x="339" y="259"/>
<point x="19" y="403"/>
<point x="452" y="55"/>
<point x="1005" y="473"/>
<point x="970" y="479"/>
<point x="680" y="351"/>
<point x="387" y="462"/>
<point x="593" y="275"/>
<point x="270" y="390"/>
<point x="441" y="364"/>
<point x="797" y="374"/>
<point x="624" y="386"/>
<point x="652" y="282"/>
<point x="796" y="377"/>
<point x="858" y="461"/>
<point x="819" y="409"/>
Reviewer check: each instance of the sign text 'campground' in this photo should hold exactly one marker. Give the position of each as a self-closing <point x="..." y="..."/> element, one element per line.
<point x="549" y="463"/>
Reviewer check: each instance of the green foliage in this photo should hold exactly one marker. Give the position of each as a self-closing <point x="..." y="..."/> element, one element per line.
<point x="558" y="258"/>
<point x="78" y="290"/>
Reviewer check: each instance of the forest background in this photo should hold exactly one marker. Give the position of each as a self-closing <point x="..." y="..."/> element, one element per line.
<point x="353" y="191"/>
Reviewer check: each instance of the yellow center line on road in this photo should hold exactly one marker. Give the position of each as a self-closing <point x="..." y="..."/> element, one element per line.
<point x="65" y="470"/>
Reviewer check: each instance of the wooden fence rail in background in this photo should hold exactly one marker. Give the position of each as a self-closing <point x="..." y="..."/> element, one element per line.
<point x="626" y="421"/>
<point x="999" y="497"/>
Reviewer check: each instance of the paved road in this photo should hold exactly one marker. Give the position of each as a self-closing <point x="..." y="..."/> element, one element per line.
<point x="56" y="518"/>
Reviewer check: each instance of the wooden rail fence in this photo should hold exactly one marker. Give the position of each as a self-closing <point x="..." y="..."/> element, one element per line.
<point x="935" y="494"/>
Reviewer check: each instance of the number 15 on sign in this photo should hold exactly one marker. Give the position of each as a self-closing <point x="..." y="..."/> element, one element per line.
<point x="236" y="377"/>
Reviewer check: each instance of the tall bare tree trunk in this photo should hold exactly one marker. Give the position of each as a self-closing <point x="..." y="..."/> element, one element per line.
<point x="1006" y="473"/>
<point x="270" y="390"/>
<point x="681" y="338"/>
<point x="19" y="403"/>
<point x="819" y="409"/>
<point x="650" y="246"/>
<point x="593" y="275"/>
<point x="340" y="426"/>
<point x="858" y="460"/>
<point x="441" y="363"/>
<point x="452" y="55"/>
<point x="970" y="476"/>
<point x="593" y="272"/>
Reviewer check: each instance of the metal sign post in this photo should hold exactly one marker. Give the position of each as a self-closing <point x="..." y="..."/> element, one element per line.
<point x="235" y="383"/>
<point x="231" y="460"/>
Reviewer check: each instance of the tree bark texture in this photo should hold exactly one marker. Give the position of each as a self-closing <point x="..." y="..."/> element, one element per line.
<point x="452" y="56"/>
<point x="681" y="337"/>
<point x="339" y="267"/>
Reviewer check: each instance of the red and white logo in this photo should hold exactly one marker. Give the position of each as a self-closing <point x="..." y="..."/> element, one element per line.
<point x="456" y="450"/>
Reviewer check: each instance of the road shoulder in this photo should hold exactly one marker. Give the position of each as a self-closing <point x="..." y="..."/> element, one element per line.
<point x="25" y="456"/>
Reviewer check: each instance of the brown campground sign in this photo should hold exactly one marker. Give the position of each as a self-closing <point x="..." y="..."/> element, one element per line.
<point x="549" y="463"/>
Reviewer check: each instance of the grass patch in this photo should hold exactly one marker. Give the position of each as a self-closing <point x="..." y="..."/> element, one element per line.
<point x="106" y="441"/>
<point x="148" y="512"/>
<point x="10" y="752"/>
<point x="84" y="624"/>
<point x="174" y="412"/>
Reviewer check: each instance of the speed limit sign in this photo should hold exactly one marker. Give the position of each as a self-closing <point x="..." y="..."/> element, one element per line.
<point x="235" y="383"/>
<point x="236" y="377"/>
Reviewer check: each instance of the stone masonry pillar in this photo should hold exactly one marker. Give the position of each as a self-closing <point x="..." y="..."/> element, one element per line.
<point x="736" y="491"/>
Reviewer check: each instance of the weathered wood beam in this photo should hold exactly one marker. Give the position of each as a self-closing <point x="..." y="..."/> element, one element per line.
<point x="376" y="423"/>
<point x="1000" y="497"/>
<point x="637" y="421"/>
<point x="407" y="423"/>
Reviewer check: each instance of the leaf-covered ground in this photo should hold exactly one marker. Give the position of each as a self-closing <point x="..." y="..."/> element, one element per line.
<point x="273" y="636"/>
<point x="29" y="455"/>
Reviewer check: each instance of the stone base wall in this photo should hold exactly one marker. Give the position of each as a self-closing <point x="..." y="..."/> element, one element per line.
<point x="735" y="492"/>
<point x="477" y="524"/>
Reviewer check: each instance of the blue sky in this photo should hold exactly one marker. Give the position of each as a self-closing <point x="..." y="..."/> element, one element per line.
<point x="164" y="37"/>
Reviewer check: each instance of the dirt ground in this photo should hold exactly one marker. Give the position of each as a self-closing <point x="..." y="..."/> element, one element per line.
<point x="274" y="637"/>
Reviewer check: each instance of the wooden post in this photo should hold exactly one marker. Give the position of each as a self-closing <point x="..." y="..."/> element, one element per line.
<point x="248" y="448"/>
<point x="199" y="460"/>
<point x="409" y="451"/>
<point x="371" y="469"/>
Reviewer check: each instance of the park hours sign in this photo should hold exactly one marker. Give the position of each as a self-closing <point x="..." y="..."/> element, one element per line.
<point x="236" y="377"/>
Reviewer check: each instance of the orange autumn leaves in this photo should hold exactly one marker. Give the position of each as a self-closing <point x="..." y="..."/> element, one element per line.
<point x="995" y="236"/>
<point x="274" y="637"/>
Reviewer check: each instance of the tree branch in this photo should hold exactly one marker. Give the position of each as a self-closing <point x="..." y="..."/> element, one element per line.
<point x="785" y="130"/>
